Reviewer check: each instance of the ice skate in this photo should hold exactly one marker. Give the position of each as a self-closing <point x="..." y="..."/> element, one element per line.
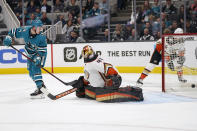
<point x="139" y="83"/>
<point x="37" y="94"/>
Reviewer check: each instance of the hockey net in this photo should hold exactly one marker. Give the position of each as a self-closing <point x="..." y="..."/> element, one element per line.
<point x="179" y="62"/>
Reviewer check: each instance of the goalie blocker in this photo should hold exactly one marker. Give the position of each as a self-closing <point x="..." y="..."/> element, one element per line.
<point x="108" y="95"/>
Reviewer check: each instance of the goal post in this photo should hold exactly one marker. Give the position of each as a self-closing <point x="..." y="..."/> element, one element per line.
<point x="179" y="61"/>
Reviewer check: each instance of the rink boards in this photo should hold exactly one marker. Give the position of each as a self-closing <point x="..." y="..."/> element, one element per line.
<point x="127" y="57"/>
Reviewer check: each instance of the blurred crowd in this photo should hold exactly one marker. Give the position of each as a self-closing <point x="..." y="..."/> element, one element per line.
<point x="172" y="16"/>
<point x="147" y="18"/>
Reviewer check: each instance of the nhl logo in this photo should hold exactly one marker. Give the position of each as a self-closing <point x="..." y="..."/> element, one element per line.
<point x="70" y="54"/>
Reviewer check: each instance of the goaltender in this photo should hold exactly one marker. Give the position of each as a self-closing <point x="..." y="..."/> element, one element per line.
<point x="101" y="81"/>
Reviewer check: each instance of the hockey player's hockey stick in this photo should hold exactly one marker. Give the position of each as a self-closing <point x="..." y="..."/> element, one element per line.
<point x="65" y="83"/>
<point x="52" y="97"/>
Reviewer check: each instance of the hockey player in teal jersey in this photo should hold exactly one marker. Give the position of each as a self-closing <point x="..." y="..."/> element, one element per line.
<point x="35" y="48"/>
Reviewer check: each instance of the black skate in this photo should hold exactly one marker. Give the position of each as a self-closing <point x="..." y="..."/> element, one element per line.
<point x="37" y="94"/>
<point x="139" y="83"/>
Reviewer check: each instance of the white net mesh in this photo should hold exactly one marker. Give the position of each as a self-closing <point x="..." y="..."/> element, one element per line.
<point x="180" y="62"/>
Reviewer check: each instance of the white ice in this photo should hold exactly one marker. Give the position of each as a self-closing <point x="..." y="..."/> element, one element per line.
<point x="158" y="112"/>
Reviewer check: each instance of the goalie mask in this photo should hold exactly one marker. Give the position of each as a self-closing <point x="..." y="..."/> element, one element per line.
<point x="87" y="52"/>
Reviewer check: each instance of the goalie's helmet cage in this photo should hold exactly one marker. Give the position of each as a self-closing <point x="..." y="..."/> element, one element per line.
<point x="179" y="63"/>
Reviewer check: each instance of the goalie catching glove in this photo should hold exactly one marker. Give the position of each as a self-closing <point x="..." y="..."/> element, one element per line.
<point x="113" y="81"/>
<point x="80" y="92"/>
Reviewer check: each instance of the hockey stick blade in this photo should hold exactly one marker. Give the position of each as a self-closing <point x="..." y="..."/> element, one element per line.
<point x="52" y="97"/>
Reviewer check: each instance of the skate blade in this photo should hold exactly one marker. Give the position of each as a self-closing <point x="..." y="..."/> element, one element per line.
<point x="41" y="96"/>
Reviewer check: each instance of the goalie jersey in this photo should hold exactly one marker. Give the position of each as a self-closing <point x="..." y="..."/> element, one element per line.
<point x="33" y="44"/>
<point x="96" y="70"/>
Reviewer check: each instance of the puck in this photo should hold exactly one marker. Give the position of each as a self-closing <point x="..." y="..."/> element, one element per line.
<point x="193" y="85"/>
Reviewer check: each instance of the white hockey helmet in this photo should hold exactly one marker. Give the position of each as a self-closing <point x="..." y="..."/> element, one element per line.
<point x="178" y="31"/>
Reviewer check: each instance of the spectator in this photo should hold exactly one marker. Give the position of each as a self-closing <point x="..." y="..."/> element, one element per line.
<point x="18" y="15"/>
<point x="45" y="7"/>
<point x="170" y="10"/>
<point x="68" y="27"/>
<point x="78" y="23"/>
<point x="74" y="37"/>
<point x="181" y="16"/>
<point x="163" y="26"/>
<point x="146" y="11"/>
<point x="60" y="18"/>
<point x="59" y="6"/>
<point x="146" y="25"/>
<point x="103" y="7"/>
<point x="118" y="34"/>
<point x="89" y="5"/>
<point x="73" y="8"/>
<point x="193" y="21"/>
<point x="174" y="26"/>
<point x="19" y="7"/>
<point x="156" y="8"/>
<point x="127" y="31"/>
<point x="189" y="28"/>
<point x="121" y="4"/>
<point x="95" y="11"/>
<point x="132" y="36"/>
<point x="62" y="1"/>
<point x="147" y="35"/>
<point x="157" y="36"/>
<point x="194" y="6"/>
<point x="156" y="27"/>
<point x="32" y="18"/>
<point x="36" y="3"/>
<point x="138" y="15"/>
<point x="72" y="18"/>
<point x="105" y="39"/>
<point x="165" y="20"/>
<point x="37" y="12"/>
<point x="31" y="8"/>
<point x="44" y="19"/>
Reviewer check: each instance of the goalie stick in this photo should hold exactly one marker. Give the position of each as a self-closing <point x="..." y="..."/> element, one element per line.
<point x="65" y="83"/>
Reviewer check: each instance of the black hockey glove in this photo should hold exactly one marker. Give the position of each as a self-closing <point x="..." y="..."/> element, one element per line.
<point x="80" y="92"/>
<point x="113" y="81"/>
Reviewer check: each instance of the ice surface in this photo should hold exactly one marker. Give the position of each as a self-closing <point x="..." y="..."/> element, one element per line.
<point x="158" y="112"/>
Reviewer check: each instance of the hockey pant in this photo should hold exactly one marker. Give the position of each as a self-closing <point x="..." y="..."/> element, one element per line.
<point x="35" y="73"/>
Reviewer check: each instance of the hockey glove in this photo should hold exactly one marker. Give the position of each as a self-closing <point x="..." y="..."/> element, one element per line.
<point x="113" y="81"/>
<point x="7" y="41"/>
<point x="80" y="92"/>
<point x="37" y="60"/>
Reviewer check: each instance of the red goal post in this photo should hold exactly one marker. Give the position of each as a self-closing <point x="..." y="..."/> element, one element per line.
<point x="187" y="62"/>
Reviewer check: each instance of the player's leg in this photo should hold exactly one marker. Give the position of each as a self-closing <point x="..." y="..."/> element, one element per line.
<point x="180" y="75"/>
<point x="155" y="59"/>
<point x="37" y="78"/>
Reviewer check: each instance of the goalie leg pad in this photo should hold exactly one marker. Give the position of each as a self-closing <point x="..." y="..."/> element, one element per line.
<point x="123" y="94"/>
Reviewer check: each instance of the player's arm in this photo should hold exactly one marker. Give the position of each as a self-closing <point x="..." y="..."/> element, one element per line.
<point x="18" y="32"/>
<point x="14" y="33"/>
